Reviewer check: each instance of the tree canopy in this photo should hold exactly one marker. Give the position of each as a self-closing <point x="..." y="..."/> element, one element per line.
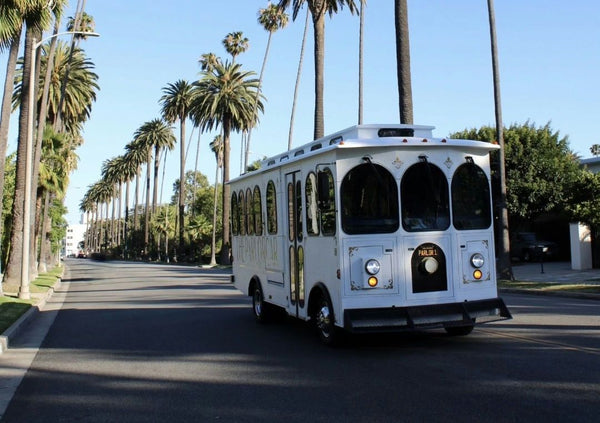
<point x="543" y="174"/>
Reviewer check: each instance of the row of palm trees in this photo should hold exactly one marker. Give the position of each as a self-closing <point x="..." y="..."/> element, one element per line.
<point x="230" y="109"/>
<point x="224" y="98"/>
<point x="64" y="89"/>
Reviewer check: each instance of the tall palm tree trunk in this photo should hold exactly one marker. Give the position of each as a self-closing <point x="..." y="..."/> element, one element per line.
<point x="181" y="181"/>
<point x="213" y="242"/>
<point x="38" y="140"/>
<point x="157" y="152"/>
<point x="403" y="62"/>
<point x="504" y="264"/>
<point x="255" y="107"/>
<point x="126" y="222"/>
<point x="42" y="264"/>
<point x="297" y="86"/>
<point x="147" y="212"/>
<point x="226" y="247"/>
<point x="5" y="118"/>
<point x="360" y="61"/>
<point x="319" y="37"/>
<point x="136" y="222"/>
<point x="12" y="274"/>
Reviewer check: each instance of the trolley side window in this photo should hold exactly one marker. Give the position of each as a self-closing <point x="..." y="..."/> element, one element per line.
<point x="235" y="214"/>
<point x="271" y="208"/>
<point x="312" y="215"/>
<point x="242" y="206"/>
<point x="424" y="198"/>
<point x="291" y="220"/>
<point x="299" y="210"/>
<point x="249" y="212"/>
<point x="257" y="209"/>
<point x="326" y="201"/>
<point x="470" y="198"/>
<point x="369" y="197"/>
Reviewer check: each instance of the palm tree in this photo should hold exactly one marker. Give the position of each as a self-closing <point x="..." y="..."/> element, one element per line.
<point x="87" y="206"/>
<point x="176" y="102"/>
<point x="156" y="135"/>
<point x="100" y="194"/>
<point x="225" y="97"/>
<point x="504" y="264"/>
<point x="318" y="9"/>
<point x="53" y="178"/>
<point x="208" y="61"/>
<point x="403" y="61"/>
<point x="112" y="172"/>
<point x="136" y="156"/>
<point x="80" y="86"/>
<point x="130" y="165"/>
<point x="37" y="18"/>
<point x="235" y="44"/>
<point x="271" y="18"/>
<point x="216" y="146"/>
<point x="82" y="22"/>
<point x="81" y="93"/>
<point x="163" y="224"/>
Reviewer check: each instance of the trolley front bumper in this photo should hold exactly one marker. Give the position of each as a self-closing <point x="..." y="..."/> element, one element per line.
<point x="426" y="316"/>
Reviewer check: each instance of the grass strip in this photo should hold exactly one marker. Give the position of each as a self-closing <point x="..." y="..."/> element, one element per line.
<point x="11" y="307"/>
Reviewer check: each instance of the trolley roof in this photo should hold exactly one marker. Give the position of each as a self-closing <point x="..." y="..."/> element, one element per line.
<point x="372" y="135"/>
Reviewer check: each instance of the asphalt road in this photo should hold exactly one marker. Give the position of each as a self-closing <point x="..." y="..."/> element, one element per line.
<point x="143" y="343"/>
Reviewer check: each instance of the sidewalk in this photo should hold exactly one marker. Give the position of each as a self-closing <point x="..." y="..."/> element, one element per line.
<point x="554" y="271"/>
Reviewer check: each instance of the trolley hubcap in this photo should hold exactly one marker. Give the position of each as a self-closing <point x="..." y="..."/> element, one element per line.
<point x="324" y="320"/>
<point x="257" y="302"/>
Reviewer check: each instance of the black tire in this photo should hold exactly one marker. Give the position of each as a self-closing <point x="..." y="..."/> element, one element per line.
<point x="459" y="330"/>
<point x="262" y="311"/>
<point x="324" y="322"/>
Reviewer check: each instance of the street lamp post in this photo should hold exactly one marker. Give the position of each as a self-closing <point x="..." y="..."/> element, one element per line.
<point x="24" y="288"/>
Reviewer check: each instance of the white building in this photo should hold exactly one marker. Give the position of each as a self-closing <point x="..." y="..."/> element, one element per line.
<point x="73" y="243"/>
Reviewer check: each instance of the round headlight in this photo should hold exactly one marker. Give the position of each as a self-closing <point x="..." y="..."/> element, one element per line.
<point x="477" y="260"/>
<point x="372" y="267"/>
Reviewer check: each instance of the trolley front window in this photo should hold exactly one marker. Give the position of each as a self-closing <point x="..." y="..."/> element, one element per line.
<point x="471" y="198"/>
<point x="369" y="197"/>
<point x="425" y="202"/>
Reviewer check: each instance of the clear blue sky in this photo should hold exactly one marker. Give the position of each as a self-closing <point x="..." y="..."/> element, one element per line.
<point x="549" y="63"/>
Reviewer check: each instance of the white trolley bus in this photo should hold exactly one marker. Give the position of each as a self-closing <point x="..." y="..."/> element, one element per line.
<point x="373" y="228"/>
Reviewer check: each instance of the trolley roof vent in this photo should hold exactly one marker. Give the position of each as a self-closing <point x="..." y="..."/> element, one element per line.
<point x="336" y="140"/>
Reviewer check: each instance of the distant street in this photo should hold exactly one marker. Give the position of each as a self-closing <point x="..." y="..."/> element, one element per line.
<point x="137" y="342"/>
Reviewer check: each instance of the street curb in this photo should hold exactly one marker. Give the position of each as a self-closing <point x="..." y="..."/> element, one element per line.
<point x="22" y="321"/>
<point x="577" y="295"/>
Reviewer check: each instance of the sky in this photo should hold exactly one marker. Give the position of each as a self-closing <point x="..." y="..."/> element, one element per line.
<point x="549" y="55"/>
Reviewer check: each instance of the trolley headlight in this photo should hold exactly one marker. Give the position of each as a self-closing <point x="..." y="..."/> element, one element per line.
<point x="372" y="267"/>
<point x="477" y="260"/>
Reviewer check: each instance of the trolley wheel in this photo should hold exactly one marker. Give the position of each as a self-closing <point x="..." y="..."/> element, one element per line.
<point x="324" y="322"/>
<point x="459" y="330"/>
<point x="262" y="311"/>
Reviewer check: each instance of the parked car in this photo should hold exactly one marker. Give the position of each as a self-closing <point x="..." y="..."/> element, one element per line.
<point x="528" y="247"/>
